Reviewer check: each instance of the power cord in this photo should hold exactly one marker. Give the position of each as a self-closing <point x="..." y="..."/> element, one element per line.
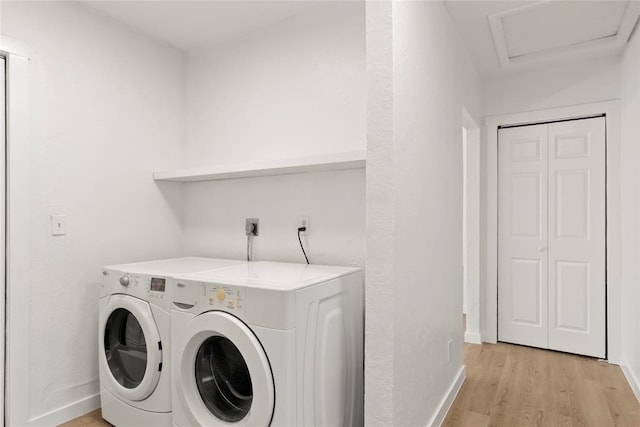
<point x="300" y="230"/>
<point x="249" y="247"/>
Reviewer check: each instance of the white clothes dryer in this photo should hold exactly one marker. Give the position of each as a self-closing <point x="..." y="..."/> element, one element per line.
<point x="134" y="339"/>
<point x="267" y="343"/>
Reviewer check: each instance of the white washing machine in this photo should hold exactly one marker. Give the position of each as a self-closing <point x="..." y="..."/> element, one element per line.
<point x="134" y="336"/>
<point x="267" y="343"/>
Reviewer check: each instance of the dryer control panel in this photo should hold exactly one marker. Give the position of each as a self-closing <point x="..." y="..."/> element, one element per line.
<point x="198" y="296"/>
<point x="225" y="297"/>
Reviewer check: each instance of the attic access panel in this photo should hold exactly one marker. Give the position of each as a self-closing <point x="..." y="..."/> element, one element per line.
<point x="548" y="29"/>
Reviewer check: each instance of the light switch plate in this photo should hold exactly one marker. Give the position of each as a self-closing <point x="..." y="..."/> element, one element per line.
<point x="58" y="225"/>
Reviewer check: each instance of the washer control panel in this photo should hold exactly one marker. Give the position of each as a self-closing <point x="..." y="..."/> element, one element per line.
<point x="222" y="297"/>
<point x="155" y="286"/>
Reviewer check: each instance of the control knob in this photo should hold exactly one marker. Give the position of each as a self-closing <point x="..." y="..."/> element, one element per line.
<point x="124" y="280"/>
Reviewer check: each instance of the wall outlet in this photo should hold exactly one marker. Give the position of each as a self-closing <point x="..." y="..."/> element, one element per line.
<point x="449" y="344"/>
<point x="303" y="221"/>
<point x="58" y="225"/>
<point x="251" y="226"/>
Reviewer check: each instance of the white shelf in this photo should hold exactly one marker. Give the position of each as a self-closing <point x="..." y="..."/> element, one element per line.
<point x="325" y="162"/>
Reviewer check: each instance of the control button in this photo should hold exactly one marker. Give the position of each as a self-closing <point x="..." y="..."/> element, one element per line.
<point x="221" y="294"/>
<point x="124" y="280"/>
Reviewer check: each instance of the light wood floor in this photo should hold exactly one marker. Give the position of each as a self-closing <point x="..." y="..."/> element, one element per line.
<point x="509" y="385"/>
<point x="514" y="386"/>
<point x="92" y="419"/>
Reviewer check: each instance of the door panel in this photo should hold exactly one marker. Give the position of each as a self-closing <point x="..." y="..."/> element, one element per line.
<point x="577" y="242"/>
<point x="526" y="291"/>
<point x="571" y="204"/>
<point x="522" y="234"/>
<point x="525" y="205"/>
<point x="572" y="293"/>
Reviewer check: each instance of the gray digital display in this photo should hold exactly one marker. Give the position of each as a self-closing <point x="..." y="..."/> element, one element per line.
<point x="157" y="284"/>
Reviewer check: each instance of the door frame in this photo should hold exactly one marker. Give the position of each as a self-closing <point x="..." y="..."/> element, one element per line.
<point x="15" y="283"/>
<point x="611" y="110"/>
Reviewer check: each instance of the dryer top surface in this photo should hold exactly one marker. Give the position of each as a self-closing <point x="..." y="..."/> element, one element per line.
<point x="169" y="267"/>
<point x="271" y="275"/>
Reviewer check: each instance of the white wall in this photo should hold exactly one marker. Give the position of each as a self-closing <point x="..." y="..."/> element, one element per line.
<point x="554" y="86"/>
<point x="334" y="201"/>
<point x="291" y="89"/>
<point x="295" y="88"/>
<point x="106" y="109"/>
<point x="414" y="211"/>
<point x="630" y="150"/>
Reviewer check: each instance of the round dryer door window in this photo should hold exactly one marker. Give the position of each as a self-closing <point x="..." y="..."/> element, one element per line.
<point x="224" y="376"/>
<point x="125" y="348"/>
<point x="223" y="379"/>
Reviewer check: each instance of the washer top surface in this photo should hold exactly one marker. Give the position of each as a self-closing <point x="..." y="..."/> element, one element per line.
<point x="271" y="275"/>
<point x="174" y="266"/>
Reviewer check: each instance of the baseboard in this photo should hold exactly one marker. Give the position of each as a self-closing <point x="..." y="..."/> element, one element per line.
<point x="472" y="338"/>
<point x="632" y="379"/>
<point x="448" y="399"/>
<point x="67" y="413"/>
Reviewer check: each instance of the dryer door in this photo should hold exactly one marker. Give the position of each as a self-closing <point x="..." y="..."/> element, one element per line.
<point x="130" y="350"/>
<point x="227" y="377"/>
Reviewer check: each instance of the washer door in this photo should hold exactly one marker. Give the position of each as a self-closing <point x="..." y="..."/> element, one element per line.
<point x="129" y="347"/>
<point x="226" y="374"/>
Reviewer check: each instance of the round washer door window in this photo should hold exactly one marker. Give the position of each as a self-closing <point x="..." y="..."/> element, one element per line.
<point x="223" y="379"/>
<point x="125" y="348"/>
<point x="129" y="347"/>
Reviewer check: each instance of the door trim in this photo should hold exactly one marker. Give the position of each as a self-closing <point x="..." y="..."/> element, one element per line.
<point x="16" y="286"/>
<point x="611" y="110"/>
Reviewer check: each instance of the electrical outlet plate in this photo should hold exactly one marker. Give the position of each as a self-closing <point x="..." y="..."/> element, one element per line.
<point x="251" y="226"/>
<point x="303" y="221"/>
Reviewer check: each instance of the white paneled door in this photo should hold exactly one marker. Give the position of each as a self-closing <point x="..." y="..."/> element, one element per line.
<point x="552" y="236"/>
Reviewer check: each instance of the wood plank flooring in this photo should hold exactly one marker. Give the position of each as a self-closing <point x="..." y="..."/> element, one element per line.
<point x="92" y="419"/>
<point x="509" y="385"/>
<point x="514" y="386"/>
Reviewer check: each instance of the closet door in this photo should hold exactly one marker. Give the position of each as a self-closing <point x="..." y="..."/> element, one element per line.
<point x="522" y="235"/>
<point x="552" y="236"/>
<point x="577" y="237"/>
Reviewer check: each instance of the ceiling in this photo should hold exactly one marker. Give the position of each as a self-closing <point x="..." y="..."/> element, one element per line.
<point x="502" y="36"/>
<point x="188" y="25"/>
<point x="508" y="36"/>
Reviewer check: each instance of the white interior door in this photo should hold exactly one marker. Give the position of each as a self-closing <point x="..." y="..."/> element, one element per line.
<point x="522" y="236"/>
<point x="552" y="236"/>
<point x="577" y="237"/>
